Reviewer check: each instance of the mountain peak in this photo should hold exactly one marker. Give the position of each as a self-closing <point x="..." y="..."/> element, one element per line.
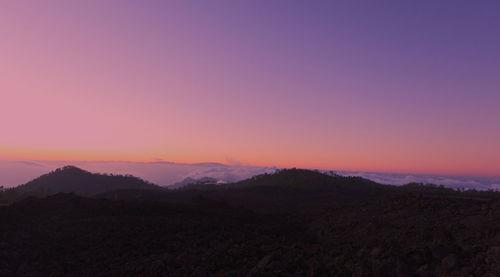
<point x="69" y="169"/>
<point x="73" y="179"/>
<point x="310" y="179"/>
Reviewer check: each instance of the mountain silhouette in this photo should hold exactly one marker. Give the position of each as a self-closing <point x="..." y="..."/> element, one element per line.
<point x="73" y="179"/>
<point x="302" y="178"/>
<point x="294" y="222"/>
<point x="312" y="180"/>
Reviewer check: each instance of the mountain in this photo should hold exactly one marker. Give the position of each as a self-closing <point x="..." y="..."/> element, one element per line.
<point x="313" y="181"/>
<point x="74" y="179"/>
<point x="285" y="191"/>
<point x="303" y="179"/>
<point x="289" y="191"/>
<point x="292" y="223"/>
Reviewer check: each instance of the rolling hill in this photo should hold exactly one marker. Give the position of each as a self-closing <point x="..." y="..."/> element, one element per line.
<point x="292" y="222"/>
<point x="73" y="179"/>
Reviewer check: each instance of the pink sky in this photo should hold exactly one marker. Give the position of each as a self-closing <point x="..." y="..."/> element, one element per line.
<point x="264" y="83"/>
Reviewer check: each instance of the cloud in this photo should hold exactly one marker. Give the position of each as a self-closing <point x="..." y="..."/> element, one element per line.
<point x="232" y="161"/>
<point x="164" y="173"/>
<point x="495" y="186"/>
<point x="230" y="173"/>
<point x="31" y="163"/>
<point x="447" y="181"/>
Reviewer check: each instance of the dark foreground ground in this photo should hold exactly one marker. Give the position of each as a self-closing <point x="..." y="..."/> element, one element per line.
<point x="67" y="235"/>
<point x="264" y="231"/>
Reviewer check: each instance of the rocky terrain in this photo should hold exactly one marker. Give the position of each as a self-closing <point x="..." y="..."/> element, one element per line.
<point x="260" y="227"/>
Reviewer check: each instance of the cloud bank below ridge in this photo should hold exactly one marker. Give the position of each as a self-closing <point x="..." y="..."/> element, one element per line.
<point x="16" y="172"/>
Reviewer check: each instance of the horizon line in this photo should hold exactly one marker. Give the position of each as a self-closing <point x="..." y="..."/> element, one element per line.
<point x="399" y="172"/>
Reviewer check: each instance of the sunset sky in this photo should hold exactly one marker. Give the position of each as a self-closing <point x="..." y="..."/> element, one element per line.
<point x="391" y="86"/>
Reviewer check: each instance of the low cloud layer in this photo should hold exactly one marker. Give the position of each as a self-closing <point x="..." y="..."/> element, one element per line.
<point x="16" y="172"/>
<point x="479" y="183"/>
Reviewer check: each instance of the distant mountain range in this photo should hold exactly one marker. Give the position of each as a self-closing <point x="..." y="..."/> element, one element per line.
<point x="15" y="172"/>
<point x="285" y="184"/>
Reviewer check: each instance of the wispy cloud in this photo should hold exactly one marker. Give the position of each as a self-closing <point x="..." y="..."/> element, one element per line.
<point x="31" y="163"/>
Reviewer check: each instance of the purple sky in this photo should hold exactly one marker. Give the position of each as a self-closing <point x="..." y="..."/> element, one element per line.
<point x="394" y="86"/>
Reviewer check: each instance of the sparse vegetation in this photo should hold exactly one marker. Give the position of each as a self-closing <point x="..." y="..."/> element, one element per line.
<point x="72" y="179"/>
<point x="293" y="222"/>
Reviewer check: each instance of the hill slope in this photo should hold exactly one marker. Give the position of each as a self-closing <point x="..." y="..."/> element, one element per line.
<point x="69" y="235"/>
<point x="312" y="180"/>
<point x="293" y="222"/>
<point x="73" y="179"/>
<point x="285" y="191"/>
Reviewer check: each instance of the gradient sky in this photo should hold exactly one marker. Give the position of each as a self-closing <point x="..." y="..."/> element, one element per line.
<point x="396" y="86"/>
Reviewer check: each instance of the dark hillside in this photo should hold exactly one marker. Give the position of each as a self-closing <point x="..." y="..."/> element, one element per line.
<point x="73" y="179"/>
<point x="286" y="191"/>
<point x="309" y="179"/>
<point x="408" y="235"/>
<point x="294" y="222"/>
<point x="66" y="234"/>
<point x="290" y="191"/>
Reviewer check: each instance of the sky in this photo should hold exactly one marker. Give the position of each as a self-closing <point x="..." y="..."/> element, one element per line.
<point x="389" y="86"/>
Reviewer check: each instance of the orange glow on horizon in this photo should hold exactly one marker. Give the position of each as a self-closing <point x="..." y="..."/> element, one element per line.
<point x="445" y="168"/>
<point x="123" y="81"/>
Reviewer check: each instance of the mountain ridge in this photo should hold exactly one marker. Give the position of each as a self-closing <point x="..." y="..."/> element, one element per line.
<point x="70" y="178"/>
